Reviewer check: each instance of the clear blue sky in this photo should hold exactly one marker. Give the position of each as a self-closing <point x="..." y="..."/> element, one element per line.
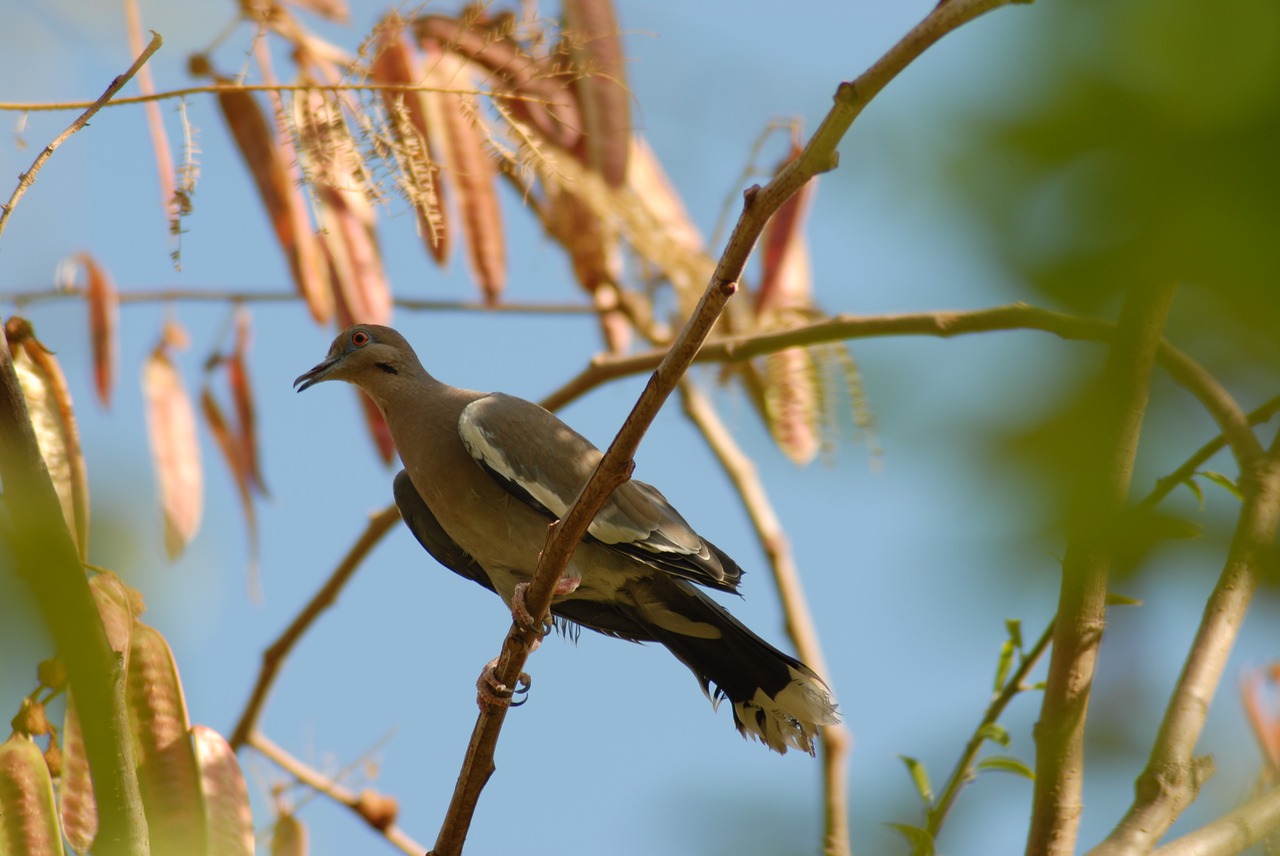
<point x="911" y="565"/>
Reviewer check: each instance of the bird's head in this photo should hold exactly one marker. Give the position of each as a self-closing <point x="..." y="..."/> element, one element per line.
<point x="361" y="355"/>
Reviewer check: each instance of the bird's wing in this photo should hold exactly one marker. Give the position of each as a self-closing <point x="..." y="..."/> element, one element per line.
<point x="545" y="463"/>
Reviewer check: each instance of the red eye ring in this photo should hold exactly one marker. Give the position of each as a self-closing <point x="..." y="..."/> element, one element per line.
<point x="359" y="338"/>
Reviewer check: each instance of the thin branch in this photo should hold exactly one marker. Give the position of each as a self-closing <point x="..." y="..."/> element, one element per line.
<point x="28" y="178"/>
<point x="198" y="295"/>
<point x="1059" y="734"/>
<point x="1173" y="774"/>
<point x="836" y="740"/>
<point x="273" y="658"/>
<point x="1166" y="484"/>
<point x="962" y="774"/>
<point x="365" y="804"/>
<point x="1018" y="316"/>
<point x="615" y="467"/>
<point x="1233" y="833"/>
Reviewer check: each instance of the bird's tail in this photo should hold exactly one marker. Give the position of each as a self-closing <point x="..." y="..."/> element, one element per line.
<point x="776" y="699"/>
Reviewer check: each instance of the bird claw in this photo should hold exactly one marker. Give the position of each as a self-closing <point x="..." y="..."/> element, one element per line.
<point x="491" y="692"/>
<point x="520" y="612"/>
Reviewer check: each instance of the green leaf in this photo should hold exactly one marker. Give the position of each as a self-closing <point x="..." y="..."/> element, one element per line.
<point x="1038" y="685"/>
<point x="1114" y="599"/>
<point x="1223" y="482"/>
<point x="1004" y="664"/>
<point x="1006" y="764"/>
<point x="920" y="777"/>
<point x="1194" y="487"/>
<point x="996" y="733"/>
<point x="920" y="840"/>
<point x="1014" y="626"/>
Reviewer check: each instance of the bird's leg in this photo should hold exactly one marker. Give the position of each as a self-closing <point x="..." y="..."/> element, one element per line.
<point x="491" y="692"/>
<point x="520" y="612"/>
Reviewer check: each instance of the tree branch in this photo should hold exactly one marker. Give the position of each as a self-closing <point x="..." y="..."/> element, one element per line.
<point x="1059" y="734"/>
<point x="1233" y="833"/>
<point x="1173" y="775"/>
<point x="28" y="178"/>
<point x="760" y="203"/>
<point x="836" y="740"/>
<point x="273" y="658"/>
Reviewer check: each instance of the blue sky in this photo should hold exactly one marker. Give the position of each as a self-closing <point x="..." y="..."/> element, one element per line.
<point x="911" y="563"/>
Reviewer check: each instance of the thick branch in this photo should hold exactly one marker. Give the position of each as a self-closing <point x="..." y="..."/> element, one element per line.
<point x="836" y="740"/>
<point x="1172" y="776"/>
<point x="1233" y="833"/>
<point x="1059" y="734"/>
<point x="273" y="658"/>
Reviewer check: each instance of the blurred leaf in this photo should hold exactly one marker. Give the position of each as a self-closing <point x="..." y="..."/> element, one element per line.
<point x="920" y="778"/>
<point x="1114" y="599"/>
<point x="996" y="733"/>
<point x="1014" y="627"/>
<point x="175" y="450"/>
<point x="1194" y="487"/>
<point x="28" y="818"/>
<point x="920" y="840"/>
<point x="289" y="837"/>
<point x="1005" y="764"/>
<point x="1004" y="664"/>
<point x="53" y="420"/>
<point x="1224" y="482"/>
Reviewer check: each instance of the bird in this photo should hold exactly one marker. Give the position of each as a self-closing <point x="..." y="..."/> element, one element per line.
<point x="484" y="475"/>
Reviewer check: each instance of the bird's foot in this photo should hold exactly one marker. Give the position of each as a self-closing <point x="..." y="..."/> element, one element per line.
<point x="491" y="692"/>
<point x="520" y="612"/>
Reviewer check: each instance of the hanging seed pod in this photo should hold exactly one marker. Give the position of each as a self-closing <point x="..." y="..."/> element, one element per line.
<point x="104" y="312"/>
<point x="594" y="44"/>
<point x="49" y="408"/>
<point x="78" y="809"/>
<point x="289" y="837"/>
<point x="175" y="450"/>
<point x="228" y="818"/>
<point x="28" y="819"/>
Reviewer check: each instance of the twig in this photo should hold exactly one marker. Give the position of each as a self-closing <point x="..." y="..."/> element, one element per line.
<point x="28" y="178"/>
<point x="1232" y="833"/>
<point x="614" y="468"/>
<point x="274" y="656"/>
<point x="1166" y="484"/>
<point x="836" y="740"/>
<point x="1173" y="775"/>
<point x="195" y="295"/>
<point x="155" y="123"/>
<point x="1018" y="316"/>
<point x="363" y="804"/>
<point x="1059" y="734"/>
<point x="962" y="774"/>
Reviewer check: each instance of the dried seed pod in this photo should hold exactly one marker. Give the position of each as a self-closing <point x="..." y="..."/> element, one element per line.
<point x="104" y="313"/>
<point x="49" y="408"/>
<point x="168" y="776"/>
<point x="175" y="451"/>
<point x="793" y="403"/>
<point x="269" y="158"/>
<point x="233" y="454"/>
<point x="594" y="45"/>
<point x="334" y="169"/>
<point x="229" y="819"/>
<point x="28" y="818"/>
<point x="408" y="118"/>
<point x="242" y="398"/>
<point x="117" y="607"/>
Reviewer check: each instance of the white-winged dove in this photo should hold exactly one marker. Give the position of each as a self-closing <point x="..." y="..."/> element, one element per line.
<point x="485" y="473"/>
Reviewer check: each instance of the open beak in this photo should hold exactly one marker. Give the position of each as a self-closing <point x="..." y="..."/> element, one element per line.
<point x="315" y="375"/>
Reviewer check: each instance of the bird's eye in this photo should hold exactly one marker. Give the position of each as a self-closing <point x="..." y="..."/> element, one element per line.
<point x="359" y="338"/>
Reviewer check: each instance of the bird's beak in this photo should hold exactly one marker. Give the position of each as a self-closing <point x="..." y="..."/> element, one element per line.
<point x="315" y="375"/>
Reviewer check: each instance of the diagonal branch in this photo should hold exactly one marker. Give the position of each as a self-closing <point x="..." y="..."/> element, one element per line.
<point x="1232" y="833"/>
<point x="760" y="203"/>
<point x="836" y="740"/>
<point x="273" y="658"/>
<point x="1059" y="735"/>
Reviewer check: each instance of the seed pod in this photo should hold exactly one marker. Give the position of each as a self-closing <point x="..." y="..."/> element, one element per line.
<point x="595" y="48"/>
<point x="289" y="837"/>
<point x="104" y="313"/>
<point x="228" y="818"/>
<point x="168" y="776"/>
<point x="175" y="450"/>
<point x="28" y="820"/>
<point x="78" y="809"/>
<point x="49" y="408"/>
